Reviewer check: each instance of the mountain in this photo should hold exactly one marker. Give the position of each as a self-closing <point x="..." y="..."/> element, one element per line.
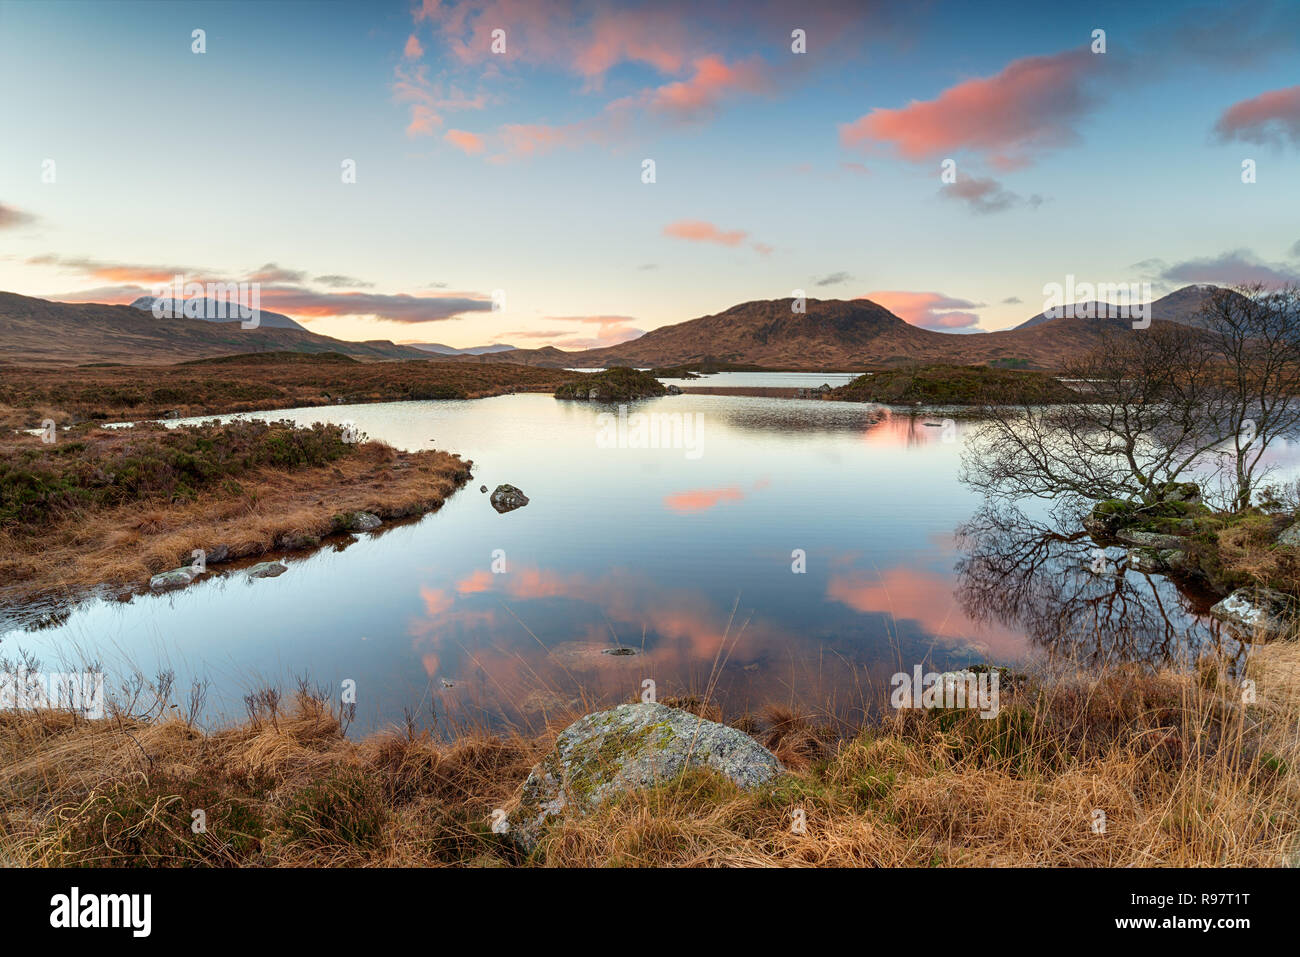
<point x="1182" y="306"/>
<point x="39" y="331"/>
<point x="442" y="350"/>
<point x="831" y="333"/>
<point x="211" y="307"/>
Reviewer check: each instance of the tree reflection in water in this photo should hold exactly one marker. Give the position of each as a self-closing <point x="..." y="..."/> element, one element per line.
<point x="1028" y="575"/>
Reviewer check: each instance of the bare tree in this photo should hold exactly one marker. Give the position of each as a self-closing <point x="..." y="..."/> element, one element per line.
<point x="1157" y="406"/>
<point x="1257" y="332"/>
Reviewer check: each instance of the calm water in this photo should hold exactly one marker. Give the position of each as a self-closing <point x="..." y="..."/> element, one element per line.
<point x="685" y="555"/>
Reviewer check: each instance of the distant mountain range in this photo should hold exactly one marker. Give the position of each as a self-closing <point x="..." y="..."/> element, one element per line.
<point x="442" y="350"/>
<point x="829" y="334"/>
<point x="212" y="308"/>
<point x="39" y="331"/>
<point x="1182" y="305"/>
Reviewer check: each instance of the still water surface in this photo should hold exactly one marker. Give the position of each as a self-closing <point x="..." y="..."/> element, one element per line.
<point x="687" y="557"/>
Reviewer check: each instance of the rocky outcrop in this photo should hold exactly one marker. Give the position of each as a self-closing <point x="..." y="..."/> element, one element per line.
<point x="629" y="747"/>
<point x="507" y="498"/>
<point x="1259" y="613"/>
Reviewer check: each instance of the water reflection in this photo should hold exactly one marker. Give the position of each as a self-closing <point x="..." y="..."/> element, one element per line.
<point x="1075" y="602"/>
<point x="693" y="564"/>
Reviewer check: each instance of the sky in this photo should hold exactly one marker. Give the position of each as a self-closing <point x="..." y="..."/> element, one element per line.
<point x="947" y="160"/>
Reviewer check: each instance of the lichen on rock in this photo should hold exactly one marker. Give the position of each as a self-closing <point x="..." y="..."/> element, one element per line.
<point x="630" y="747"/>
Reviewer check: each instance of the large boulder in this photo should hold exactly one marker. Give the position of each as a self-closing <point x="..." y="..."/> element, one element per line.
<point x="506" y="498"/>
<point x="1261" y="613"/>
<point x="1290" y="537"/>
<point x="629" y="747"/>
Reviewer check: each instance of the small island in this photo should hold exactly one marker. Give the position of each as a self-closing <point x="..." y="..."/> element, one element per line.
<point x="954" y="385"/>
<point x="617" y="384"/>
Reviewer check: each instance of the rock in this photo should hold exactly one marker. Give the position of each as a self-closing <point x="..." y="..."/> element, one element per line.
<point x="216" y="555"/>
<point x="1188" y="492"/>
<point x="1258" y="613"/>
<point x="506" y="498"/>
<point x="629" y="747"/>
<point x="1290" y="536"/>
<point x="267" y="570"/>
<point x="176" y="578"/>
<point x="593" y="393"/>
<point x="1162" y="560"/>
<point x="292" y="541"/>
<point x="823" y="388"/>
<point x="619" y="652"/>
<point x="482" y="488"/>
<point x="1106" y="517"/>
<point x="173" y="414"/>
<point x="1149" y="539"/>
<point x="673" y="390"/>
<point x="361" y="522"/>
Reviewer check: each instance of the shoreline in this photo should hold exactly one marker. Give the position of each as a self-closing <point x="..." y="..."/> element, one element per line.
<point x="1180" y="769"/>
<point x="71" y="540"/>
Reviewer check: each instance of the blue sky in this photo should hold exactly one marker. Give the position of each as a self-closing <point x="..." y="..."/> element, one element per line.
<point x="480" y="171"/>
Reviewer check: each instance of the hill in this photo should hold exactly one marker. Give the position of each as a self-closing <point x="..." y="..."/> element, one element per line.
<point x="206" y="310"/>
<point x="1182" y="306"/>
<point x="844" y="334"/>
<point x="40" y="332"/>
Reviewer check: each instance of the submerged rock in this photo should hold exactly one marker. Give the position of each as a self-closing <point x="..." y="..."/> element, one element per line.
<point x="629" y="747"/>
<point x="1259" y="613"/>
<point x="506" y="498"/>
<point x="267" y="570"/>
<point x="176" y="578"/>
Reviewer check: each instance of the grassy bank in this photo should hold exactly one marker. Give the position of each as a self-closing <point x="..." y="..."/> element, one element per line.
<point x="114" y="506"/>
<point x="954" y="385"/>
<point x="1184" y="771"/>
<point x="247" y="383"/>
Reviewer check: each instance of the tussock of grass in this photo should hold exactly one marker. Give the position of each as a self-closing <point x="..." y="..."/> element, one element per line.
<point x="1185" y="772"/>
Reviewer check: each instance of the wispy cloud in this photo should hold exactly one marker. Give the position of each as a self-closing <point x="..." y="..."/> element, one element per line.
<point x="1033" y="104"/>
<point x="1270" y="118"/>
<point x="11" y="217"/>
<point x="929" y="310"/>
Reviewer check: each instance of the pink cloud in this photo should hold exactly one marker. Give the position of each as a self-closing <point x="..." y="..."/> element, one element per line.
<point x="471" y="143"/>
<point x="700" y="231"/>
<point x="1030" y="105"/>
<point x="1268" y="118"/>
<point x="929" y="310"/>
<point x="713" y="79"/>
<point x="413" y="50"/>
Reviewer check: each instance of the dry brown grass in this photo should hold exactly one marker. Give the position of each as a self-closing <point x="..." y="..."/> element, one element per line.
<point x="1186" y="773"/>
<point x="267" y="509"/>
<point x="29" y="395"/>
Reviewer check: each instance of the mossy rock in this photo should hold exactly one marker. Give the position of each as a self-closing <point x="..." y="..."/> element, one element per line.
<point x="631" y="747"/>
